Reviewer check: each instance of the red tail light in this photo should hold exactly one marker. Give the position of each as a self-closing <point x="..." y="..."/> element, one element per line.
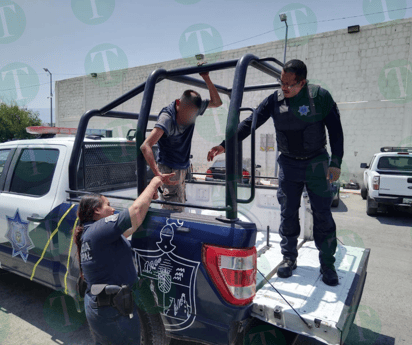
<point x="209" y="172"/>
<point x="233" y="272"/>
<point x="375" y="182"/>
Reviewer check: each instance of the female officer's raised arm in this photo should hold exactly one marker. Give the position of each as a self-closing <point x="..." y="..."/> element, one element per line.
<point x="141" y="205"/>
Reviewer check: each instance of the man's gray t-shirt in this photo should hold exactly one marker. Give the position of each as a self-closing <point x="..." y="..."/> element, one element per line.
<point x="176" y="142"/>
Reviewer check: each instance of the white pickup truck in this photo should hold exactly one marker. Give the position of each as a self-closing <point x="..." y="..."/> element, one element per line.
<point x="387" y="180"/>
<point x="207" y="274"/>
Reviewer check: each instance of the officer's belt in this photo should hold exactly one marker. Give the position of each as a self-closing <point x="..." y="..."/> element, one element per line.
<point x="313" y="155"/>
<point x="116" y="296"/>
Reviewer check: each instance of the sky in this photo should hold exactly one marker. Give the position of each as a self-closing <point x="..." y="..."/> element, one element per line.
<point x="77" y="37"/>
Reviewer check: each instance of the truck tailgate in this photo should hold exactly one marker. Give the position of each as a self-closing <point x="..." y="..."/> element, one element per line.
<point x="329" y="310"/>
<point x="395" y="185"/>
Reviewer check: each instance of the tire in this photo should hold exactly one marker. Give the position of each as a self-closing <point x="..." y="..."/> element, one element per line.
<point x="151" y="324"/>
<point x="335" y="202"/>
<point x="371" y="210"/>
<point x="151" y="329"/>
<point x="256" y="329"/>
<point x="364" y="192"/>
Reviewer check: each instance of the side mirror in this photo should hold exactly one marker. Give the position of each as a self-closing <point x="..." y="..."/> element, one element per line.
<point x="364" y="166"/>
<point x="258" y="166"/>
<point x="131" y="134"/>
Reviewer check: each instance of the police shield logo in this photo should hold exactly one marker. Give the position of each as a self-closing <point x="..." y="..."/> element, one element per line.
<point x="174" y="279"/>
<point x="18" y="235"/>
<point x="303" y="110"/>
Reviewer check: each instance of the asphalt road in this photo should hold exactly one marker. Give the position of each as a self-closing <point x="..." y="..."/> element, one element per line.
<point x="29" y="312"/>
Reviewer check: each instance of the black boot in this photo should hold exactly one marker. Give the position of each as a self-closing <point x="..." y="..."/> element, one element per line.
<point x="285" y="270"/>
<point x="329" y="275"/>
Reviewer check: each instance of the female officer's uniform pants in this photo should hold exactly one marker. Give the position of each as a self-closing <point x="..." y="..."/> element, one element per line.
<point x="294" y="174"/>
<point x="108" y="326"/>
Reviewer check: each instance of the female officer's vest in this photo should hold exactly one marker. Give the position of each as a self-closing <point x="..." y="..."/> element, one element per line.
<point x="300" y="130"/>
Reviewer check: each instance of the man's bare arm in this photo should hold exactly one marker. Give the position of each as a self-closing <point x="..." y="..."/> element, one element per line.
<point x="147" y="151"/>
<point x="215" y="100"/>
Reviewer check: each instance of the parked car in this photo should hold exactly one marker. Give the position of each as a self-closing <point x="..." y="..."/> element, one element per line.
<point x="387" y="179"/>
<point x="218" y="171"/>
<point x="336" y="193"/>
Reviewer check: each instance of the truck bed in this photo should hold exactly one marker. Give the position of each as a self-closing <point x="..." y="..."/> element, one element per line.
<point x="334" y="307"/>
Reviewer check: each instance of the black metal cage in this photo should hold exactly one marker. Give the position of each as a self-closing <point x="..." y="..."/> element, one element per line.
<point x="233" y="171"/>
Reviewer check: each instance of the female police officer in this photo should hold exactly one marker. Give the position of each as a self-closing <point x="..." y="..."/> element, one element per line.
<point x="106" y="261"/>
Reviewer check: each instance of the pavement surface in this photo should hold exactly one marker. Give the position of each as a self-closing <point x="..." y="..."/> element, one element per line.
<point x="29" y="314"/>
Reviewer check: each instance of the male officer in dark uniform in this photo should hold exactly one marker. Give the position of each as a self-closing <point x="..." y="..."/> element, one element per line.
<point x="300" y="113"/>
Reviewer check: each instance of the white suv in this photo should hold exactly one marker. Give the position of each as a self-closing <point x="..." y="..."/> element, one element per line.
<point x="387" y="180"/>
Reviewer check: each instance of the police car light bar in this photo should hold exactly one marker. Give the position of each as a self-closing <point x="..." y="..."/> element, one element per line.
<point x="396" y="149"/>
<point x="50" y="130"/>
<point x="40" y="130"/>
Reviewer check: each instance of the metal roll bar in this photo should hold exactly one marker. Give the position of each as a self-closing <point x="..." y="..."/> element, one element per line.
<point x="181" y="75"/>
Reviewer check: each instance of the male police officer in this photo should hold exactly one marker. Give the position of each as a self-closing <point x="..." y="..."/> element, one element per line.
<point x="300" y="113"/>
<point x="173" y="131"/>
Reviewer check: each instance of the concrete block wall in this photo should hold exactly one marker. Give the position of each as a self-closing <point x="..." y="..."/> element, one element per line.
<point x="368" y="74"/>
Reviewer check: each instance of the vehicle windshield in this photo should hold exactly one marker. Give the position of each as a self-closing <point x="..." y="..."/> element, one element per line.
<point x="403" y="163"/>
<point x="219" y="164"/>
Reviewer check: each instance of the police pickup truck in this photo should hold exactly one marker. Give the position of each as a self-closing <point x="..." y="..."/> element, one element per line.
<point x="209" y="273"/>
<point x="387" y="180"/>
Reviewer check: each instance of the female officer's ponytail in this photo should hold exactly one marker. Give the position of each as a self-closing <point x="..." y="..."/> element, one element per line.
<point x="85" y="212"/>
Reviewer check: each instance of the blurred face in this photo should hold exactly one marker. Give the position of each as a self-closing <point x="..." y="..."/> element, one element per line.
<point x="289" y="85"/>
<point x="187" y="113"/>
<point x="104" y="211"/>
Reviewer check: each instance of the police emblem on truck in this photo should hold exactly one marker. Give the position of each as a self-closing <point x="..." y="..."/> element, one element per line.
<point x="18" y="235"/>
<point x="174" y="278"/>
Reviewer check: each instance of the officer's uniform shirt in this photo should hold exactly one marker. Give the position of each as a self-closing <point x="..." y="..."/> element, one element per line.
<point x="106" y="255"/>
<point x="299" y="125"/>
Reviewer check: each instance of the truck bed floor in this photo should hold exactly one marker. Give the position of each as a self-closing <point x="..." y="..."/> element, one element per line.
<point x="331" y="306"/>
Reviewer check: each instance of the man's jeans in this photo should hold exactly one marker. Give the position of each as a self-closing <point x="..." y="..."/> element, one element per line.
<point x="173" y="193"/>
<point x="294" y="175"/>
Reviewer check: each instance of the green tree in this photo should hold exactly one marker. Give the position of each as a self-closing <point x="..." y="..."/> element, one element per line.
<point x="14" y="120"/>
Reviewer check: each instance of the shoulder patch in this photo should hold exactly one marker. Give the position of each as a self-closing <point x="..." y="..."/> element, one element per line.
<point x="111" y="218"/>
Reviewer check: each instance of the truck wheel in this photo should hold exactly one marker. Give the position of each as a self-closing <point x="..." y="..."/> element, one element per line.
<point x="363" y="192"/>
<point x="151" y="324"/>
<point x="371" y="209"/>
<point x="335" y="202"/>
<point x="256" y="330"/>
<point x="151" y="329"/>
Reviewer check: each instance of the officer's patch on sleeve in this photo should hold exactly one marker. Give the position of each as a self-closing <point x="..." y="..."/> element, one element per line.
<point x="111" y="218"/>
<point x="86" y="252"/>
